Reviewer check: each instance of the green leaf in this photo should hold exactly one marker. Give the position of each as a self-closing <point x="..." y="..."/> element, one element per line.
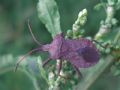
<point x="49" y="15"/>
<point x="118" y="5"/>
<point x="7" y="65"/>
<point x="42" y="71"/>
<point x="111" y="2"/>
<point x="99" y="6"/>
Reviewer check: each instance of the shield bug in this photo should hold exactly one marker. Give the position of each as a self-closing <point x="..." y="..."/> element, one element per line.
<point x="80" y="53"/>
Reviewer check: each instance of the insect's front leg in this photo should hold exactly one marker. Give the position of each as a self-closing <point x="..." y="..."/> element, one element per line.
<point x="59" y="67"/>
<point x="46" y="62"/>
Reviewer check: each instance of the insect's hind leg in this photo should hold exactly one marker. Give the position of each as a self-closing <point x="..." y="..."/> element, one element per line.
<point x="46" y="62"/>
<point x="99" y="43"/>
<point x="78" y="72"/>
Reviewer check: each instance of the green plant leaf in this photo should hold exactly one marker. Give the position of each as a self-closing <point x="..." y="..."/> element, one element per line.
<point x="99" y="6"/>
<point x="118" y="5"/>
<point x="42" y="71"/>
<point x="49" y="15"/>
<point x="7" y="65"/>
<point x="111" y="2"/>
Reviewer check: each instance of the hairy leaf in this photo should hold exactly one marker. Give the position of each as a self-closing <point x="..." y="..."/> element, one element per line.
<point x="49" y="15"/>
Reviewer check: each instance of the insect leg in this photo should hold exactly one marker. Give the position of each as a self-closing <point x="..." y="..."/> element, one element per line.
<point x="45" y="62"/>
<point x="98" y="43"/>
<point x="59" y="66"/>
<point x="77" y="71"/>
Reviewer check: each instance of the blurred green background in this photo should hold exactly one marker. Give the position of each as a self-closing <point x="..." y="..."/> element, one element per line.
<point x="16" y="40"/>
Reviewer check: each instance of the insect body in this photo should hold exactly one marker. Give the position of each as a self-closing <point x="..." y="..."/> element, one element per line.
<point x="80" y="53"/>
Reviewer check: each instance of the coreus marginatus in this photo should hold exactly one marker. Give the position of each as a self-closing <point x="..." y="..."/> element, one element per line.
<point x="80" y="53"/>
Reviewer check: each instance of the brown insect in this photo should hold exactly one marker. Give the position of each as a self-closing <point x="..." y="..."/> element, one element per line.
<point x="80" y="53"/>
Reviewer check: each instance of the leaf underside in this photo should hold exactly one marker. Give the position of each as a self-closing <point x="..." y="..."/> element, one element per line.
<point x="49" y="15"/>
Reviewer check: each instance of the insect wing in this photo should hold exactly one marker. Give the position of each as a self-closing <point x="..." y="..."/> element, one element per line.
<point x="89" y="54"/>
<point x="75" y="59"/>
<point x="82" y="53"/>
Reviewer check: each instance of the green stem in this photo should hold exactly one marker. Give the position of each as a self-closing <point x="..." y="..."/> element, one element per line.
<point x="117" y="37"/>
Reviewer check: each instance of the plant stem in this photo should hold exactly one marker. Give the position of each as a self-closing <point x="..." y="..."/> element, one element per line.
<point x="117" y="37"/>
<point x="34" y="81"/>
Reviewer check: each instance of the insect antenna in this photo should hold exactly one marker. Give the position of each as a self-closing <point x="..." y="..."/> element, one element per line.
<point x="30" y="29"/>
<point x="23" y="58"/>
